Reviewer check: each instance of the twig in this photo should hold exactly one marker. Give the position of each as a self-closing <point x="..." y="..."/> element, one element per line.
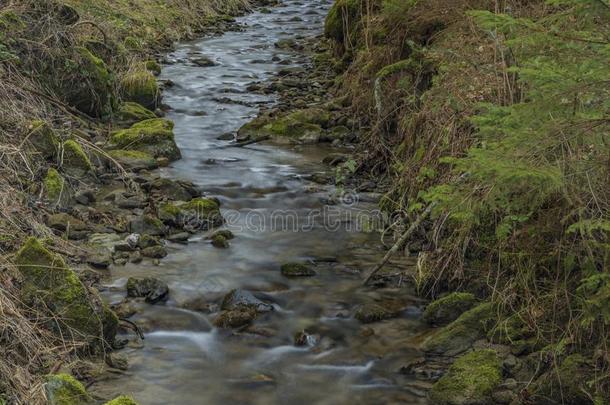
<point x="135" y="327"/>
<point x="400" y="242"/>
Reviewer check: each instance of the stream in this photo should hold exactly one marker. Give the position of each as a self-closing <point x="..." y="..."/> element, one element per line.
<point x="277" y="216"/>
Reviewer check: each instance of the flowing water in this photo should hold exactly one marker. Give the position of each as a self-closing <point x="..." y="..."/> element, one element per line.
<point x="269" y="205"/>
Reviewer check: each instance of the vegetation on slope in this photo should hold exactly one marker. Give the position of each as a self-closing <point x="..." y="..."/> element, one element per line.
<point x="497" y="113"/>
<point x="66" y="69"/>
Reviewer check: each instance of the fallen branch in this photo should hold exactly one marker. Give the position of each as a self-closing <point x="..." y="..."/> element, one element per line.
<point x="400" y="242"/>
<point x="249" y="142"/>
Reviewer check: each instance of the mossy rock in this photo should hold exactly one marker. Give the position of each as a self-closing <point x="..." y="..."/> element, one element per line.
<point x="220" y="241"/>
<point x="342" y="18"/>
<point x="122" y="400"/>
<point x="153" y="67"/>
<point x="48" y="283"/>
<point x="153" y="136"/>
<point x="369" y="313"/>
<point x="297" y="270"/>
<point x="133" y="159"/>
<point x="130" y="113"/>
<point x="55" y="187"/>
<point x="63" y="389"/>
<point x="90" y="88"/>
<point x="141" y="87"/>
<point x="470" y="380"/>
<point x="199" y="213"/>
<point x="567" y="383"/>
<point x="301" y="125"/>
<point x="147" y="225"/>
<point x="44" y="139"/>
<point x="449" y="308"/>
<point x="75" y="161"/>
<point x="460" y="334"/>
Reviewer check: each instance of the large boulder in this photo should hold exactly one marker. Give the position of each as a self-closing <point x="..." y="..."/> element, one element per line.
<point x="153" y="136"/>
<point x="48" y="283"/>
<point x="448" y="308"/>
<point x="459" y="335"/>
<point x="470" y="380"/>
<point x="141" y="87"/>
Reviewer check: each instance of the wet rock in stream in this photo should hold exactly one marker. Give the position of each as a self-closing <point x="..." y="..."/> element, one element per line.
<point x="297" y="270"/>
<point x="152" y="289"/>
<point x="240" y="299"/>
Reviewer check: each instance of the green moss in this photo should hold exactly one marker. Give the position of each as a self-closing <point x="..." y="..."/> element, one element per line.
<point x="296" y="270"/>
<point x="153" y="136"/>
<point x="10" y="21"/>
<point x="403" y="65"/>
<point x="54" y="185"/>
<point x="153" y="67"/>
<point x="91" y="87"/>
<point x="43" y="138"/>
<point x="140" y="87"/>
<point x="122" y="400"/>
<point x="460" y="334"/>
<point x="50" y="283"/>
<point x="202" y="205"/>
<point x="448" y="308"/>
<point x="220" y="241"/>
<point x="470" y="380"/>
<point x="133" y="43"/>
<point x="298" y="124"/>
<point x="342" y="18"/>
<point x="133" y="159"/>
<point x="130" y="112"/>
<point x="63" y="389"/>
<point x="75" y="160"/>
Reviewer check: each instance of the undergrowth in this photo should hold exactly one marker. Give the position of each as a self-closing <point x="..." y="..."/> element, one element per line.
<point x="497" y="113"/>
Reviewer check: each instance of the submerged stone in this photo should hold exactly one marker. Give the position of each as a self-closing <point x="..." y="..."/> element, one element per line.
<point x="240" y="299"/>
<point x="153" y="136"/>
<point x="235" y="318"/>
<point x="470" y="380"/>
<point x="297" y="270"/>
<point x="369" y="313"/>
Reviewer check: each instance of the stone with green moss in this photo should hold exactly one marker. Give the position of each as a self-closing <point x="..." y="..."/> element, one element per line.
<point x="49" y="283"/>
<point x="130" y="113"/>
<point x="44" y="139"/>
<point x="220" y="241"/>
<point x="470" y="380"/>
<point x="141" y="87"/>
<point x="296" y="270"/>
<point x="153" y="67"/>
<point x="122" y="400"/>
<point x="91" y="88"/>
<point x="153" y="136"/>
<point x="63" y="389"/>
<point x="448" y="308"/>
<point x="147" y="225"/>
<point x="342" y="18"/>
<point x="459" y="335"/>
<point x="199" y="213"/>
<point x="300" y="125"/>
<point x="55" y="186"/>
<point x="75" y="161"/>
<point x="133" y="159"/>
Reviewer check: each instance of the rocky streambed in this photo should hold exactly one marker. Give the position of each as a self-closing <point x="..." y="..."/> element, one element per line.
<point x="268" y="307"/>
